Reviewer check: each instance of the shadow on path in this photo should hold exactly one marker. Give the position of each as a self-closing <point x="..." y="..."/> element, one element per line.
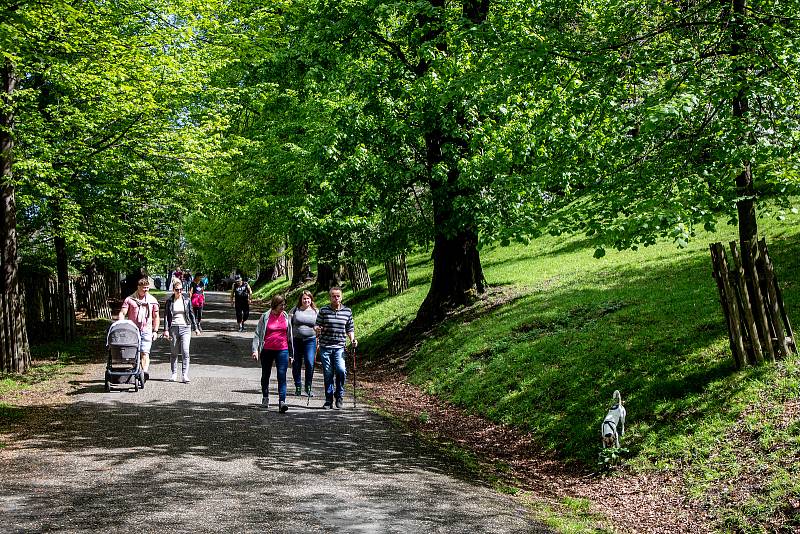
<point x="204" y="457"/>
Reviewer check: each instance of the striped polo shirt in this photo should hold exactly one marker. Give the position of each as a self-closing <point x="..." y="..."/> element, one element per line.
<point x="335" y="326"/>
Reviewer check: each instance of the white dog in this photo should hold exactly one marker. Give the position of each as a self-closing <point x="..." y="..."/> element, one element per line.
<point x="615" y="418"/>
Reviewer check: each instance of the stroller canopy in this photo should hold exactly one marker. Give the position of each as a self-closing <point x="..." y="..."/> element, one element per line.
<point x="123" y="334"/>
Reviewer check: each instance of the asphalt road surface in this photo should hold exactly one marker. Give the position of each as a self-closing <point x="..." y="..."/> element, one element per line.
<point x="206" y="457"/>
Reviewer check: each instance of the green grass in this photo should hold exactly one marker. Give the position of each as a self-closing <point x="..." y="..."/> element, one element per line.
<point x="50" y="359"/>
<point x="571" y="516"/>
<point x="575" y="328"/>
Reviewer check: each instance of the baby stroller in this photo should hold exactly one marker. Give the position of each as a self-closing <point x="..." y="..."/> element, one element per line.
<point x="124" y="362"/>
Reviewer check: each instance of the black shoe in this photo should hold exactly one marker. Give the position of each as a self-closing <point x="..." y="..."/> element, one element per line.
<point x="339" y="403"/>
<point x="298" y="390"/>
<point x="283" y="407"/>
<point x="327" y="406"/>
<point x="309" y="392"/>
<point x="146" y="376"/>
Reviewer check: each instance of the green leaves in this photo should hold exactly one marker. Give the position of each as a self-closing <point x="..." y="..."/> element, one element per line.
<point x="106" y="130"/>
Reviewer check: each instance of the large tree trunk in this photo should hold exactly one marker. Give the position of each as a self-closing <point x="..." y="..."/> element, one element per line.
<point x="396" y="274"/>
<point x="301" y="267"/>
<point x="132" y="280"/>
<point x="457" y="276"/>
<point x="274" y="271"/>
<point x="15" y="353"/>
<point x="457" y="272"/>
<point x="328" y="276"/>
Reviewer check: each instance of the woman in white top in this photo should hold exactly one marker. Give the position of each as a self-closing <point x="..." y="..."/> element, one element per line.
<point x="179" y="319"/>
<point x="304" y="317"/>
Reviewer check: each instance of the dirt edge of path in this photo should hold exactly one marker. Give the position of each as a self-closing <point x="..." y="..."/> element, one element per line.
<point x="653" y="502"/>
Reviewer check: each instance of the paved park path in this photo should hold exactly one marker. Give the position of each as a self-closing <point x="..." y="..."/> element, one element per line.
<point x="205" y="457"/>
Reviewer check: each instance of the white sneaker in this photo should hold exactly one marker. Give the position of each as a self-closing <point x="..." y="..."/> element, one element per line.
<point x="186" y="379"/>
<point x="173" y="377"/>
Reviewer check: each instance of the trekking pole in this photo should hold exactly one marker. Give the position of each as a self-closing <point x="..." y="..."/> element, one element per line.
<point x="313" y="363"/>
<point x="354" y="374"/>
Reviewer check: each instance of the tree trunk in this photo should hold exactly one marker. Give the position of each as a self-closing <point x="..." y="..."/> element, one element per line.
<point x="15" y="353"/>
<point x="328" y="276"/>
<point x="457" y="272"/>
<point x="359" y="275"/>
<point x="396" y="274"/>
<point x="131" y="281"/>
<point x="66" y="307"/>
<point x="113" y="285"/>
<point x="457" y="276"/>
<point x="745" y="206"/>
<point x="301" y="268"/>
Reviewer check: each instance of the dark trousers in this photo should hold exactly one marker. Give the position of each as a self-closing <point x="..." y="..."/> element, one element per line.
<point x="242" y="312"/>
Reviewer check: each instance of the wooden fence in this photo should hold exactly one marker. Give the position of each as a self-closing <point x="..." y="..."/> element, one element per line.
<point x="45" y="316"/>
<point x="358" y="275"/>
<point x="758" y="326"/>
<point x="92" y="296"/>
<point x="396" y="274"/>
<point x="49" y="317"/>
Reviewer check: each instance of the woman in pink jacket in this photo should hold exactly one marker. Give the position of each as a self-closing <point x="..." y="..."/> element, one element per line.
<point x="272" y="342"/>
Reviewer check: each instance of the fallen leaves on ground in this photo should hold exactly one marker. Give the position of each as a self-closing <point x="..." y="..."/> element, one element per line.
<point x="632" y="502"/>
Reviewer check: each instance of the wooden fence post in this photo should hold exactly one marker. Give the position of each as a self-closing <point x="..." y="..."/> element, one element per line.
<point x="759" y="308"/>
<point x="730" y="306"/>
<point x="744" y="296"/>
<point x="772" y="304"/>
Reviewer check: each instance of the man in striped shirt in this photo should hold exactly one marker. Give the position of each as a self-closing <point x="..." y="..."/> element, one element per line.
<point x="334" y="326"/>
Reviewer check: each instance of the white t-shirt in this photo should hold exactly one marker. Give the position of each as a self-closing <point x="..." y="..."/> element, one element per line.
<point x="179" y="313"/>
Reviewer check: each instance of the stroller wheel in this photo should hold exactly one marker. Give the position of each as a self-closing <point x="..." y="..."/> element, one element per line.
<point x="108" y="386"/>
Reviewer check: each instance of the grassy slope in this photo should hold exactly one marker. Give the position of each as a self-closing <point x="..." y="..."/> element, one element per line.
<point x="647" y="323"/>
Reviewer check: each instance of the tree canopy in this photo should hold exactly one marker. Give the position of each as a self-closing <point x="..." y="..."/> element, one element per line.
<point x="367" y="128"/>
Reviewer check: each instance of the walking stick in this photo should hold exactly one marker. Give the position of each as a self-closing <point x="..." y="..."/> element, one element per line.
<point x="308" y="397"/>
<point x="354" y="374"/>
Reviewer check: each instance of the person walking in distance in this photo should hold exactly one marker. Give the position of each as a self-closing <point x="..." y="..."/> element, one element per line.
<point x="240" y="298"/>
<point x="197" y="292"/>
<point x="334" y="326"/>
<point x="304" y="319"/>
<point x="142" y="308"/>
<point x="272" y="342"/>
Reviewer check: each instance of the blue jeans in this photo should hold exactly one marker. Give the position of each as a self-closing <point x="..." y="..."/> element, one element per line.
<point x="304" y="351"/>
<point x="333" y="357"/>
<point x="281" y="359"/>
